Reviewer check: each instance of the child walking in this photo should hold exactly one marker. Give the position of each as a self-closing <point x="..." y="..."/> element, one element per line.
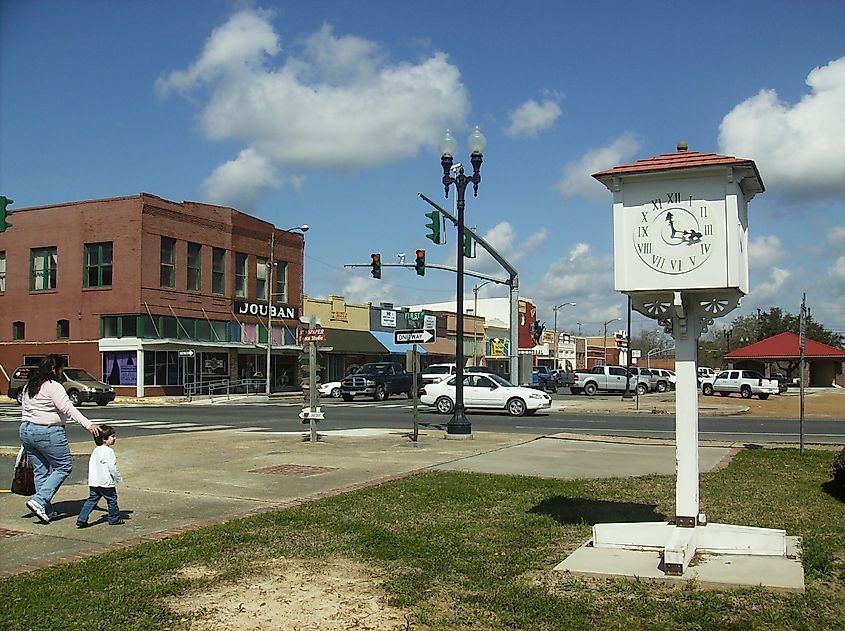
<point x="102" y="478"/>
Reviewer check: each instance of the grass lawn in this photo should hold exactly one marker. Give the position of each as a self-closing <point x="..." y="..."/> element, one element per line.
<point x="464" y="551"/>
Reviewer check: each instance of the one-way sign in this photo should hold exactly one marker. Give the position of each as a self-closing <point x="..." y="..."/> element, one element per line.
<point x="414" y="336"/>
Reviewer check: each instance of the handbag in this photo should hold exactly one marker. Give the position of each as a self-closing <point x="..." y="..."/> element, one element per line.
<point x="23" y="482"/>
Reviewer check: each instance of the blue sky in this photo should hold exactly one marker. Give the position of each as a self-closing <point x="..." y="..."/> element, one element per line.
<point x="329" y="113"/>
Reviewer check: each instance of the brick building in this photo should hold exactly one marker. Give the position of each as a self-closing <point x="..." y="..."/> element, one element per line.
<point x="119" y="286"/>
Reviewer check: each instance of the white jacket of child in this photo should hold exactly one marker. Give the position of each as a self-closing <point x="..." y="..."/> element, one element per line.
<point x="102" y="467"/>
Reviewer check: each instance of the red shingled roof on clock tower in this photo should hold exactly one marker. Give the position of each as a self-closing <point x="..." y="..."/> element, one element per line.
<point x="783" y="346"/>
<point x="684" y="159"/>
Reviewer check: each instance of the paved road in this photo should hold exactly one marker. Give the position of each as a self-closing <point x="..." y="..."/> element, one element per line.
<point x="144" y="420"/>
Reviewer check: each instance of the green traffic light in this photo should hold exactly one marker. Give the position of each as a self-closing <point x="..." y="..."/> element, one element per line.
<point x="434" y="226"/>
<point x="468" y="246"/>
<point x="5" y="201"/>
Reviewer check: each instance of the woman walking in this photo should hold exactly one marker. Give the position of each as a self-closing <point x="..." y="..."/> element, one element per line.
<point x="46" y="409"/>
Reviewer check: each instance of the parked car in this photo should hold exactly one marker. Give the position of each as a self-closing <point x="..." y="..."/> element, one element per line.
<point x="563" y="378"/>
<point x="667" y="376"/>
<point x="485" y="391"/>
<point x="783" y="381"/>
<point x="746" y="382"/>
<point x="80" y="385"/>
<point x="329" y="389"/>
<point x="436" y="372"/>
<point x="705" y="373"/>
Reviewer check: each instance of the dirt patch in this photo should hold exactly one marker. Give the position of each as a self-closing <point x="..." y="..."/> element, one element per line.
<point x="818" y="404"/>
<point x="294" y="594"/>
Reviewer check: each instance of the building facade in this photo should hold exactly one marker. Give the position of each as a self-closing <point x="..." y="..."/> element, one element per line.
<point x="120" y="286"/>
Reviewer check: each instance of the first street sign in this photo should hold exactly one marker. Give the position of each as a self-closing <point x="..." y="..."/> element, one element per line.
<point x="413" y="336"/>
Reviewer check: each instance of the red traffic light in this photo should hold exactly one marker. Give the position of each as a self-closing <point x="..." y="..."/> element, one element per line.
<point x="420" y="262"/>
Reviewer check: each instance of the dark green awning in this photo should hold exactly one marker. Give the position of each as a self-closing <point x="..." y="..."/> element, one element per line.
<point x="353" y="342"/>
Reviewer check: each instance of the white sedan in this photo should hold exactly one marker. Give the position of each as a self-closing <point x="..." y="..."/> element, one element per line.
<point x="329" y="389"/>
<point x="485" y="391"/>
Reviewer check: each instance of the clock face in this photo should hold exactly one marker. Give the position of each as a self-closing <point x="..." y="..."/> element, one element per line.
<point x="674" y="234"/>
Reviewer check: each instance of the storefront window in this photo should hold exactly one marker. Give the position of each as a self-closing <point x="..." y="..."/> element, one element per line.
<point x="120" y="368"/>
<point x="162" y="368"/>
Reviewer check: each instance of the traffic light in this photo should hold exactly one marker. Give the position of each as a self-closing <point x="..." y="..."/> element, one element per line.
<point x="4" y="201"/>
<point x="420" y="262"/>
<point x="376" y="264"/>
<point x="434" y="226"/>
<point x="468" y="246"/>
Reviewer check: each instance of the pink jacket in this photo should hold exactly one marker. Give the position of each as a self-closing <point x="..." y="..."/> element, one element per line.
<point x="51" y="406"/>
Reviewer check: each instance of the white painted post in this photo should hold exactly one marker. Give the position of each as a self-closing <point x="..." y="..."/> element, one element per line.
<point x="686" y="420"/>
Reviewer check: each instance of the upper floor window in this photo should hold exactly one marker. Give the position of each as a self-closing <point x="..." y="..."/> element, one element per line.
<point x="43" y="266"/>
<point x="281" y="272"/>
<point x="98" y="264"/>
<point x="2" y="272"/>
<point x="241" y="276"/>
<point x="261" y="272"/>
<point x="18" y="331"/>
<point x="167" y="274"/>
<point x="194" y="267"/>
<point x="218" y="271"/>
<point x="63" y="329"/>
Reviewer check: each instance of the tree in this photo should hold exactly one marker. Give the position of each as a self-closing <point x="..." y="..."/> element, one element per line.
<point x="769" y="323"/>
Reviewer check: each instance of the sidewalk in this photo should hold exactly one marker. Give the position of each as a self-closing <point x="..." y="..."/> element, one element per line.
<point x="180" y="483"/>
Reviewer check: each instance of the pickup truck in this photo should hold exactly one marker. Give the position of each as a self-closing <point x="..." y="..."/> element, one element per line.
<point x="607" y="378"/>
<point x="378" y="380"/>
<point x="543" y="379"/>
<point x="746" y="382"/>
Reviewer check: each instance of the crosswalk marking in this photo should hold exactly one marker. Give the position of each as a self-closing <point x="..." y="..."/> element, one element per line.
<point x="203" y="428"/>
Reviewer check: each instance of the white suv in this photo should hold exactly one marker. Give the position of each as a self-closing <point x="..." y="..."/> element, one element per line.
<point x="746" y="382"/>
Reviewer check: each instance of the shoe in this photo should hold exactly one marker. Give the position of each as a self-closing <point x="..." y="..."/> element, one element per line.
<point x="116" y="523"/>
<point x="36" y="508"/>
<point x="82" y="524"/>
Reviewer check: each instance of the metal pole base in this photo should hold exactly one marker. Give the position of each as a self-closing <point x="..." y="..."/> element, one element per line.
<point x="459" y="426"/>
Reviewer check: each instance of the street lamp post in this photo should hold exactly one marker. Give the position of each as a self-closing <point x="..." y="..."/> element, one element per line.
<point x="475" y="319"/>
<point x="557" y="340"/>
<point x="459" y="426"/>
<point x="604" y="342"/>
<point x="271" y="265"/>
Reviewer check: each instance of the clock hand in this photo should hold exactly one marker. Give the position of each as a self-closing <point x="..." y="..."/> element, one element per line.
<point x="692" y="236"/>
<point x="671" y="224"/>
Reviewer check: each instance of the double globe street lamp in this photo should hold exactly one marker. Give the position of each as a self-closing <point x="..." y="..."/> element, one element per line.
<point x="459" y="426"/>
<point x="271" y="265"/>
<point x="557" y="340"/>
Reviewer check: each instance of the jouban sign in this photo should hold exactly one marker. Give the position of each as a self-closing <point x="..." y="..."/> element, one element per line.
<point x="259" y="309"/>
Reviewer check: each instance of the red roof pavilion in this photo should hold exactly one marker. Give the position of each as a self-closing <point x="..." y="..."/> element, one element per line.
<point x="786" y="346"/>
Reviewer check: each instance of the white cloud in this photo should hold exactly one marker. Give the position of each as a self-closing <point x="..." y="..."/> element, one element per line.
<point x="363" y="289"/>
<point x="531" y="117"/>
<point x="503" y="239"/>
<point x="327" y="108"/>
<point x="771" y="286"/>
<point x="765" y="251"/>
<point x="577" y="180"/>
<point x="240" y="181"/>
<point x="580" y="249"/>
<point x="800" y="148"/>
<point x="836" y="235"/>
<point x="836" y="272"/>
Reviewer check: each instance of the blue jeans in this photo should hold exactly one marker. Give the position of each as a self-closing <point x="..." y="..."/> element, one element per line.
<point x="94" y="495"/>
<point x="49" y="454"/>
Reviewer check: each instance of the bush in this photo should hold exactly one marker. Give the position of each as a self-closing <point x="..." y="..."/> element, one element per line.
<point x="837" y="469"/>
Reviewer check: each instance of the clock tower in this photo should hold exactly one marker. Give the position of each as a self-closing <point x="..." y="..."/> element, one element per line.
<point x="680" y="241"/>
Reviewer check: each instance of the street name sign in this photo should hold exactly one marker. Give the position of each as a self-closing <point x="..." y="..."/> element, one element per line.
<point x="313" y="335"/>
<point x="414" y="336"/>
